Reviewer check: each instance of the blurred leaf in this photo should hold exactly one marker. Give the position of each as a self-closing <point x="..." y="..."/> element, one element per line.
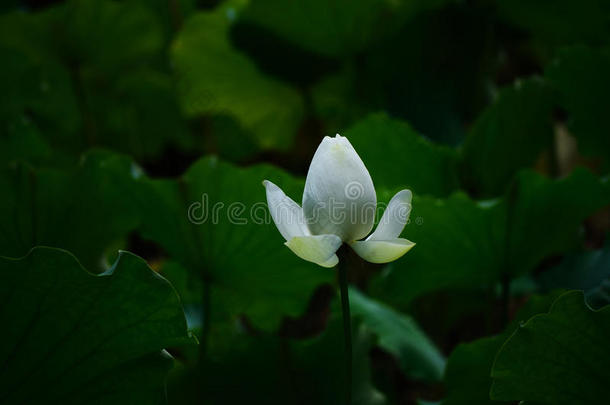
<point x="459" y="243"/>
<point x="559" y="22"/>
<point x="328" y="349"/>
<point x="463" y="243"/>
<point x="23" y="142"/>
<point x="468" y="371"/>
<point x="578" y="271"/>
<point x="109" y="35"/>
<point x="565" y="353"/>
<point x="215" y="78"/>
<point x="72" y="337"/>
<point x="230" y="140"/>
<point x="278" y="57"/>
<point x="545" y="216"/>
<point x="215" y="222"/>
<point x="508" y="136"/>
<point x="336" y="100"/>
<point x="136" y="113"/>
<point x="580" y="75"/>
<point x="334" y="28"/>
<point x="273" y="370"/>
<point x="83" y="210"/>
<point x="399" y="335"/>
<point x="170" y="14"/>
<point x="87" y="73"/>
<point x="39" y="91"/>
<point x="397" y="156"/>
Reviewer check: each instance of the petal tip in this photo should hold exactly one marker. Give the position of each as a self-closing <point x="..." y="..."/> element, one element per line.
<point x="405" y="195"/>
<point x="383" y="251"/>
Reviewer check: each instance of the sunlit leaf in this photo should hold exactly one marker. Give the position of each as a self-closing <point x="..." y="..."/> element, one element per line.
<point x="215" y="78"/>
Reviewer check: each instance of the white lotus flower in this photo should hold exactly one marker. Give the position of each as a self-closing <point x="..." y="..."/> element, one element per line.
<point x="339" y="206"/>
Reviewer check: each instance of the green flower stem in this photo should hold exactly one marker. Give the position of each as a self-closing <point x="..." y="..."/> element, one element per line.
<point x="347" y="326"/>
<point x="205" y="319"/>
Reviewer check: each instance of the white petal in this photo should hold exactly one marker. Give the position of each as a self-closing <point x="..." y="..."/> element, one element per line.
<point x="394" y="217"/>
<point x="382" y="251"/>
<point x="339" y="195"/>
<point x="319" y="249"/>
<point x="286" y="214"/>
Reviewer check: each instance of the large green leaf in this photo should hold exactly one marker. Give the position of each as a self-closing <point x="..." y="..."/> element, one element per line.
<point x="508" y="136"/>
<point x="125" y="34"/>
<point x="83" y="210"/>
<point x="72" y="337"/>
<point x="399" y="335"/>
<point x="215" y="78"/>
<point x="463" y="243"/>
<point x="22" y="141"/>
<point x="215" y="222"/>
<point x="87" y="73"/>
<point x="397" y="156"/>
<point x="459" y="244"/>
<point x="468" y="373"/>
<point x="334" y="28"/>
<point x="580" y="75"/>
<point x="544" y="216"/>
<point x="556" y="358"/>
<point x="137" y="113"/>
<point x="38" y="93"/>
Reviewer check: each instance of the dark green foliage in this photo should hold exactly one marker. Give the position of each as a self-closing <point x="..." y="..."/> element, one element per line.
<point x="215" y="222"/>
<point x="75" y="337"/>
<point x="498" y="145"/>
<point x="564" y="354"/>
<point x="401" y="336"/>
<point x="466" y="243"/>
<point x="84" y="209"/>
<point x="402" y="144"/>
<point x="468" y="373"/>
<point x="149" y="125"/>
<point x="580" y="76"/>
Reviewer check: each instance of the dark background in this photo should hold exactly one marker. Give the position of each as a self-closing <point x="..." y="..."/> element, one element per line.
<point x="117" y="116"/>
